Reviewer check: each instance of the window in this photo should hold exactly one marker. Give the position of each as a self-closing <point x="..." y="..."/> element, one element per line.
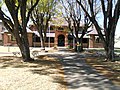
<point x="13" y="38"/>
<point x="51" y="40"/>
<point x="36" y="38"/>
<point x="85" y="40"/>
<point x="47" y="39"/>
<point x="51" y="28"/>
<point x="60" y="28"/>
<point x="98" y="40"/>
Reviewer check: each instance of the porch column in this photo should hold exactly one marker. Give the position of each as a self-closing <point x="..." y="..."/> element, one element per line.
<point x="91" y="41"/>
<point x="66" y="40"/>
<point x="5" y="39"/>
<point x="56" y="39"/>
<point x="30" y="36"/>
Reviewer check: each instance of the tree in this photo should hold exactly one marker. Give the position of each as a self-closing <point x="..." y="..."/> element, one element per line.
<point x="18" y="28"/>
<point x="41" y="17"/>
<point x="77" y="21"/>
<point x="111" y="12"/>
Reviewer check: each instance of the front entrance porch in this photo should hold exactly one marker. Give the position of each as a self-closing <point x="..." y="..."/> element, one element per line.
<point x="61" y="40"/>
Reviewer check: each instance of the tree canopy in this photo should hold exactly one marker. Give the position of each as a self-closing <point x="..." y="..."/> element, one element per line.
<point x="41" y="16"/>
<point x="16" y="26"/>
<point x="77" y="21"/>
<point x="110" y="12"/>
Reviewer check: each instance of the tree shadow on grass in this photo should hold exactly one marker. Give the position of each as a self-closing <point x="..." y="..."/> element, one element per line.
<point x="51" y="67"/>
<point x="16" y="62"/>
<point x="44" y="65"/>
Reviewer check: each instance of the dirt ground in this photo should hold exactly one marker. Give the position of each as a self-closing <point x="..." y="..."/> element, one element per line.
<point x="109" y="69"/>
<point x="45" y="73"/>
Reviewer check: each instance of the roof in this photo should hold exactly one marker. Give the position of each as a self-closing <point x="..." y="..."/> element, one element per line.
<point x="92" y="31"/>
<point x="79" y="35"/>
<point x="36" y="33"/>
<point x="47" y="34"/>
<point x="3" y="31"/>
<point x="28" y="30"/>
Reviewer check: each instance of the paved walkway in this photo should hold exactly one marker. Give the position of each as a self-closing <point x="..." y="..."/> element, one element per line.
<point x="80" y="76"/>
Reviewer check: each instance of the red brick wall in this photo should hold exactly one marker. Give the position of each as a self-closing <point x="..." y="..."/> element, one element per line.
<point x="7" y="39"/>
<point x="93" y="44"/>
<point x="57" y="33"/>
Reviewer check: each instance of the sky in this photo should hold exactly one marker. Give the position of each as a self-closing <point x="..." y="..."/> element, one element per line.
<point x="117" y="33"/>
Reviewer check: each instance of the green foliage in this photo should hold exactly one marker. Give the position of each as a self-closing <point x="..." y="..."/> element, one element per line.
<point x="44" y="10"/>
<point x="1" y="3"/>
<point x="47" y="6"/>
<point x="17" y="21"/>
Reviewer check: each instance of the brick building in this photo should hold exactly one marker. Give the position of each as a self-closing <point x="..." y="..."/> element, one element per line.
<point x="57" y="35"/>
<point x="9" y="40"/>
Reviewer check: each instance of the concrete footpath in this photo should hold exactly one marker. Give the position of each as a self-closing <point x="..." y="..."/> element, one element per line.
<point x="80" y="76"/>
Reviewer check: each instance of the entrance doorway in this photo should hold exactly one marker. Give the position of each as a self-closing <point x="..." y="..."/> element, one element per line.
<point x="61" y="40"/>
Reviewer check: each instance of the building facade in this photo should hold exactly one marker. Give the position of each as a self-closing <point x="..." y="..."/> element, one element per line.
<point x="57" y="35"/>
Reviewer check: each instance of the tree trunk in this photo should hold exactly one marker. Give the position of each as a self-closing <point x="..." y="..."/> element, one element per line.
<point x="17" y="26"/>
<point x="111" y="13"/>
<point x="25" y="53"/>
<point x="24" y="49"/>
<point x="81" y="38"/>
<point x="109" y="52"/>
<point x="42" y="41"/>
<point x="79" y="46"/>
<point x="23" y="44"/>
<point x="108" y="43"/>
<point x="109" y="48"/>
